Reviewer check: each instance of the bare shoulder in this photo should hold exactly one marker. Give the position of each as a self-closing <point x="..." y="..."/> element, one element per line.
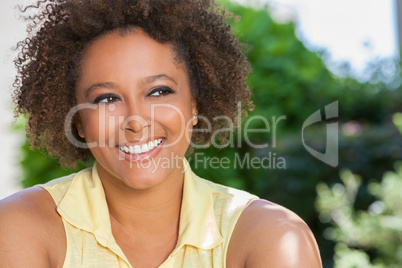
<point x="29" y="224"/>
<point x="269" y="235"/>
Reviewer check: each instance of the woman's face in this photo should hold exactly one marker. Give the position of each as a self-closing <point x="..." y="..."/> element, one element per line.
<point x="139" y="120"/>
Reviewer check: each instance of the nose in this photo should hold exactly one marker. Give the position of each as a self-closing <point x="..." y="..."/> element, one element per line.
<point x="136" y="117"/>
<point x="134" y="123"/>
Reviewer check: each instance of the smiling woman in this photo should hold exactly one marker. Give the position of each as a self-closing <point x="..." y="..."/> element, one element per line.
<point x="126" y="83"/>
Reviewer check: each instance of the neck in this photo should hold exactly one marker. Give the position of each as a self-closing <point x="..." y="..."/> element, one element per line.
<point x="154" y="211"/>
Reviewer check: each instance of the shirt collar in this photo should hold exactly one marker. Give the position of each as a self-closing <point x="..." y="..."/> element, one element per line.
<point x="197" y="218"/>
<point x="84" y="206"/>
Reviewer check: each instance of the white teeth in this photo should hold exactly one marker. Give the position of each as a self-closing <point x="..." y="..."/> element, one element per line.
<point x="144" y="147"/>
<point x="137" y="149"/>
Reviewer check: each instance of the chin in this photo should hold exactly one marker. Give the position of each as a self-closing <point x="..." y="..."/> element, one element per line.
<point x="141" y="178"/>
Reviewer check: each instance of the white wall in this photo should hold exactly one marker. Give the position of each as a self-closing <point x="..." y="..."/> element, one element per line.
<point x="11" y="31"/>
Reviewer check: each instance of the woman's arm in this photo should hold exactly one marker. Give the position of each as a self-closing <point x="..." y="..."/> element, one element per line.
<point x="268" y="235"/>
<point x="29" y="230"/>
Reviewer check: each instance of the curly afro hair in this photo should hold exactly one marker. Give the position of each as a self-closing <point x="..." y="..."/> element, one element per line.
<point x="60" y="30"/>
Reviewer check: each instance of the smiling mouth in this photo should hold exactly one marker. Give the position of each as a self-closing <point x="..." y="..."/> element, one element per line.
<point x="140" y="149"/>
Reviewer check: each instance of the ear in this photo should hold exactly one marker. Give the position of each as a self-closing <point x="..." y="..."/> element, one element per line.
<point x="79" y="129"/>
<point x="194" y="111"/>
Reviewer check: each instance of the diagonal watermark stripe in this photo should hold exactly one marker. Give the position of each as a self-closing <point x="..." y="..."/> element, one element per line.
<point x="331" y="154"/>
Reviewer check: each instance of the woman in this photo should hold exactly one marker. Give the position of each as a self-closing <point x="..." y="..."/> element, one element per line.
<point x="132" y="84"/>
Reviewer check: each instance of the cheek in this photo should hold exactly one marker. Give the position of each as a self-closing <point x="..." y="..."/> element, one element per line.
<point x="175" y="120"/>
<point x="97" y="125"/>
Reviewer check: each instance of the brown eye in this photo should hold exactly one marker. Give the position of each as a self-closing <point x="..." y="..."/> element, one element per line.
<point x="107" y="98"/>
<point x="161" y="91"/>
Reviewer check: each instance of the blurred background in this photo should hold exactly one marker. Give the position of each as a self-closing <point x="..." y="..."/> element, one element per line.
<point x="305" y="54"/>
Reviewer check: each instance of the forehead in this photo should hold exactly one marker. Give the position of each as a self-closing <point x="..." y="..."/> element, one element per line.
<point x="135" y="54"/>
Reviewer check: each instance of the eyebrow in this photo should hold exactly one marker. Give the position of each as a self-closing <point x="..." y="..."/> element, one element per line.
<point x="107" y="85"/>
<point x="154" y="78"/>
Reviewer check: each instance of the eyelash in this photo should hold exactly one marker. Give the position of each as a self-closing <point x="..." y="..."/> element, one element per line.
<point x="110" y="98"/>
<point x="106" y="98"/>
<point x="162" y="91"/>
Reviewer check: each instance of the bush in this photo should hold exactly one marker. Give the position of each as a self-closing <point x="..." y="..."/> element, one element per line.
<point x="365" y="238"/>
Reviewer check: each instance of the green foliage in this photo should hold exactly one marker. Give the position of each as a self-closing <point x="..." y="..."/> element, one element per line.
<point x="365" y="238"/>
<point x="397" y="120"/>
<point x="352" y="258"/>
<point x="38" y="169"/>
<point x="36" y="166"/>
<point x="290" y="80"/>
<point x="286" y="76"/>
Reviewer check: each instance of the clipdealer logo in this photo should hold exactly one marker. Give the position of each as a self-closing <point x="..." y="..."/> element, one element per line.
<point x="331" y="155"/>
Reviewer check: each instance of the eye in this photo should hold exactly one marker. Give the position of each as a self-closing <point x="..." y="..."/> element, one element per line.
<point x="161" y="91"/>
<point x="106" y="98"/>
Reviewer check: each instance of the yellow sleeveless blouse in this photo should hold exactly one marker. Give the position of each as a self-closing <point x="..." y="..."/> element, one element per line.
<point x="208" y="216"/>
